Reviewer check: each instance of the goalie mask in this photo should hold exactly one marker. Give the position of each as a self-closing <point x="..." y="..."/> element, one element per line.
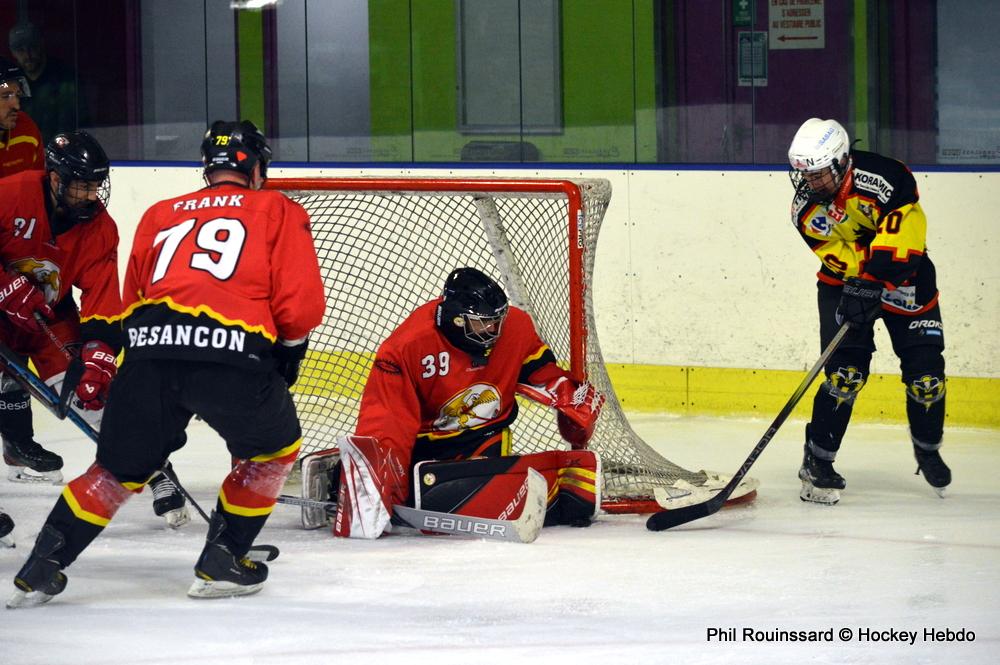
<point x="83" y="168"/>
<point x="820" y="158"/>
<point x="472" y="311"/>
<point x="235" y="146"/>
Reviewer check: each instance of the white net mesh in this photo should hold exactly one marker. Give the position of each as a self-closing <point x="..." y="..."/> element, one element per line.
<point x="385" y="250"/>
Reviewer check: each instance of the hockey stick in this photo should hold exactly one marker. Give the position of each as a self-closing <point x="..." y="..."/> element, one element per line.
<point x="11" y="364"/>
<point x="74" y="370"/>
<point x="666" y="519"/>
<point x="524" y="529"/>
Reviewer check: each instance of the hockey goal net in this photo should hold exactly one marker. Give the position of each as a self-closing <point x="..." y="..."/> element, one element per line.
<point x="386" y="245"/>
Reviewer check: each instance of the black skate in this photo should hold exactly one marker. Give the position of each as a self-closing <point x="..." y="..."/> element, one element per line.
<point x="221" y="574"/>
<point x="22" y="457"/>
<point x="168" y="502"/>
<point x="6" y="526"/>
<point x="41" y="576"/>
<point x="936" y="472"/>
<point x="820" y="482"/>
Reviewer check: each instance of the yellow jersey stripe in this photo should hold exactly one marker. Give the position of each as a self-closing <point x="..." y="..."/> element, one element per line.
<point x="537" y="354"/>
<point x="287" y="450"/>
<point x="241" y="510"/>
<point x="196" y="311"/>
<point x="79" y="511"/>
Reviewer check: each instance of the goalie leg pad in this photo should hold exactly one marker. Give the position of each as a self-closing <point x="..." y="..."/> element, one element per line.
<point x="372" y="481"/>
<point x="318" y="470"/>
<point x="492" y="487"/>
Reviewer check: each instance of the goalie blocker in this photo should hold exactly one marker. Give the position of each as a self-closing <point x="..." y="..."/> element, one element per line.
<point x="367" y="484"/>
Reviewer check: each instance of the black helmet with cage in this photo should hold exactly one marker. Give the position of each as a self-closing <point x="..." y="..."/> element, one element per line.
<point x="11" y="73"/>
<point x="820" y="158"/>
<point x="79" y="161"/>
<point x="235" y="146"/>
<point x="472" y="311"/>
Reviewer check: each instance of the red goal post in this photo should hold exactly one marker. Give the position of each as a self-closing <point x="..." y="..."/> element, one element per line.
<point x="386" y="245"/>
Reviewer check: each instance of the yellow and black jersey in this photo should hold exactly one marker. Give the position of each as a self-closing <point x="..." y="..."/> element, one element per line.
<point x="874" y="227"/>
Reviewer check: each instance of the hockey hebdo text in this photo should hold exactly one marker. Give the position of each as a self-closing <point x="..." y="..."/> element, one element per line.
<point x="862" y="634"/>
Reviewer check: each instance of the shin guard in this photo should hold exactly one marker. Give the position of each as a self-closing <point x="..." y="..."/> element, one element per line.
<point x="87" y="504"/>
<point x="248" y="495"/>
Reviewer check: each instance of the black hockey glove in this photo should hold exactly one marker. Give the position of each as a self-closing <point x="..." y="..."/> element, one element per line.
<point x="860" y="301"/>
<point x="288" y="357"/>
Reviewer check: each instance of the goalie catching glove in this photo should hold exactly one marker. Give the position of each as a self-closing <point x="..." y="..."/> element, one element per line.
<point x="578" y="405"/>
<point x="99" y="369"/>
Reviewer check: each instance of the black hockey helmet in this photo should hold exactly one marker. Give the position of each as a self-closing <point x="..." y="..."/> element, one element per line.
<point x="472" y="310"/>
<point x="235" y="146"/>
<point x="10" y="72"/>
<point x="77" y="156"/>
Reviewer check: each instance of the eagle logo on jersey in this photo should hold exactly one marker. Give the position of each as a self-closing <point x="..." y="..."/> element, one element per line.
<point x="474" y="406"/>
<point x="44" y="274"/>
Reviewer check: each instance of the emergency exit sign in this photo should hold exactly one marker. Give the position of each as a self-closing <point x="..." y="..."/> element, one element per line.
<point x="742" y="13"/>
<point x="796" y="24"/>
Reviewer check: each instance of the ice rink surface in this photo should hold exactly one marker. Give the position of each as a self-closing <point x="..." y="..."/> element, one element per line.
<point x="891" y="558"/>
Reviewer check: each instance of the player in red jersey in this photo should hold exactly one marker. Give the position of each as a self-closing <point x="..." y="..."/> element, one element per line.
<point x="21" y="146"/>
<point x="442" y="387"/>
<point x="223" y="286"/>
<point x="56" y="234"/>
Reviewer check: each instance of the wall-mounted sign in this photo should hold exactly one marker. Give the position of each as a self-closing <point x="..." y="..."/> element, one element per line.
<point x="742" y="13"/>
<point x="796" y="24"/>
<point x="751" y="53"/>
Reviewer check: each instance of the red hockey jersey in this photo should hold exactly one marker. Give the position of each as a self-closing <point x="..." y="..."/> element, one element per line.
<point x="21" y="149"/>
<point x="85" y="256"/>
<point x="219" y="275"/>
<point x="424" y="392"/>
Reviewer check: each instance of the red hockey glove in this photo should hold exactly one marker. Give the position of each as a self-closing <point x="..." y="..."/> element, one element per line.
<point x="20" y="299"/>
<point x="99" y="369"/>
<point x="579" y="405"/>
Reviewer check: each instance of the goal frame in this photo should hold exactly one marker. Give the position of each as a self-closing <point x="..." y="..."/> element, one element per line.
<point x="633" y="463"/>
<point x="577" y="315"/>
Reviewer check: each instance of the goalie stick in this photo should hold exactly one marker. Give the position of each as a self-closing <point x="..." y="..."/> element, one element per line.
<point x="524" y="529"/>
<point x="666" y="519"/>
<point x="11" y="364"/>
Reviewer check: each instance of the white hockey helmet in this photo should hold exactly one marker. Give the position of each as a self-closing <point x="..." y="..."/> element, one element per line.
<point x="819" y="156"/>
